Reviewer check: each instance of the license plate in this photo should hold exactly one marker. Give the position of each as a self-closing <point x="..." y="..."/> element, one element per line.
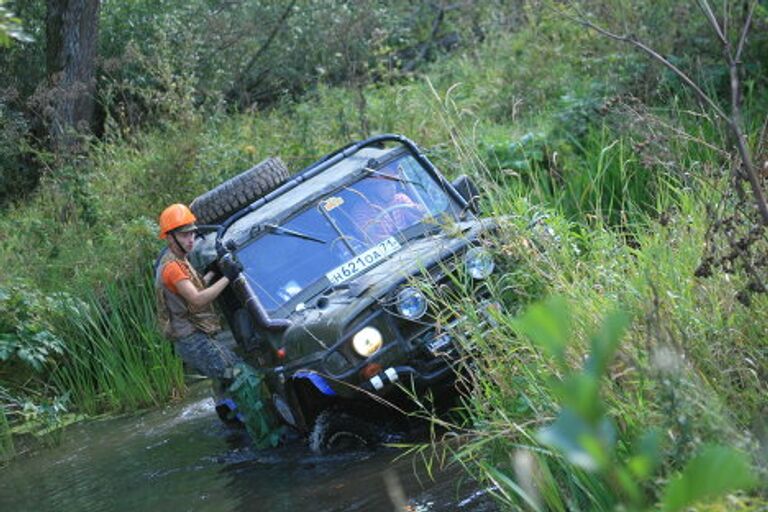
<point x="364" y="261"/>
<point x="441" y="344"/>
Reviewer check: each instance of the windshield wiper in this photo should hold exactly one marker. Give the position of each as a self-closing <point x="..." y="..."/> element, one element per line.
<point x="279" y="230"/>
<point x="386" y="176"/>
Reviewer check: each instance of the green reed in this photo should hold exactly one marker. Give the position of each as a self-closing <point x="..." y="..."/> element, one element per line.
<point x="115" y="357"/>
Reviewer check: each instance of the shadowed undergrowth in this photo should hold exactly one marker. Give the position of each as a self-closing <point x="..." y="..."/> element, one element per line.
<point x="603" y="202"/>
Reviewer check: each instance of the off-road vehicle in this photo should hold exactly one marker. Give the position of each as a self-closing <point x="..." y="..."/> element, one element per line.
<point x="340" y="265"/>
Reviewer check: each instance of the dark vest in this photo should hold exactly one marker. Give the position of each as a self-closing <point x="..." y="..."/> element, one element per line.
<point x="176" y="318"/>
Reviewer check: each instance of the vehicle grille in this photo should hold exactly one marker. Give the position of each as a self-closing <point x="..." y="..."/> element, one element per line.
<point x="446" y="309"/>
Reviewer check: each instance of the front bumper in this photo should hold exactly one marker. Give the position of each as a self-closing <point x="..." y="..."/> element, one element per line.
<point x="427" y="357"/>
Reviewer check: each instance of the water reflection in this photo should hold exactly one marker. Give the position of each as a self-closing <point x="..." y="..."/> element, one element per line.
<point x="182" y="458"/>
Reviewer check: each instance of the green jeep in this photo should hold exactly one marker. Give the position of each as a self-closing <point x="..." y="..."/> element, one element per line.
<point x="341" y="263"/>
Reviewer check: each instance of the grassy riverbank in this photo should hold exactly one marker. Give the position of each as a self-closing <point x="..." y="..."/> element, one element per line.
<point x="623" y="165"/>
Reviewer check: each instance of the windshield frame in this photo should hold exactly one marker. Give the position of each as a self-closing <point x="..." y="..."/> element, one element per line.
<point x="450" y="213"/>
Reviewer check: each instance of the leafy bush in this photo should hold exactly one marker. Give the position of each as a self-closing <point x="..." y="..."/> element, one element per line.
<point x="586" y="436"/>
<point x="30" y="347"/>
<point x="17" y="177"/>
<point x="616" y="421"/>
<point x="10" y="27"/>
<point x="27" y="339"/>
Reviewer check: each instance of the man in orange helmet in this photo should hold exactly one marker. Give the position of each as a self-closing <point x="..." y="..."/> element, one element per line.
<point x="185" y="303"/>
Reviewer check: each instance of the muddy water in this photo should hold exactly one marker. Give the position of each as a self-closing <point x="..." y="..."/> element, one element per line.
<point x="182" y="458"/>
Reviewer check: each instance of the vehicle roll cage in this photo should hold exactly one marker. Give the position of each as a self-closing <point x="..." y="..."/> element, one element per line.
<point x="253" y="304"/>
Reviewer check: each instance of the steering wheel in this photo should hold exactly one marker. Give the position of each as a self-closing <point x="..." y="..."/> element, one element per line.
<point x="413" y="209"/>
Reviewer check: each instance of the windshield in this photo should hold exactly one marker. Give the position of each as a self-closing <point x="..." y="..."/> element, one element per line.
<point x="344" y="233"/>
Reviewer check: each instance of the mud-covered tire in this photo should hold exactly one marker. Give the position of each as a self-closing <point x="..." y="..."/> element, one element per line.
<point x="336" y="431"/>
<point x="219" y="203"/>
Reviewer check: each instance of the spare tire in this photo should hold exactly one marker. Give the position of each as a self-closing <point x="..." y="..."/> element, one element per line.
<point x="236" y="193"/>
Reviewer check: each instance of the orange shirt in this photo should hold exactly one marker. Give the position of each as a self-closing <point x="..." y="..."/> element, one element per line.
<point x="173" y="272"/>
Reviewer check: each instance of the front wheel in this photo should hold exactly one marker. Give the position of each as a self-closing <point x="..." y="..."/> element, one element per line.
<point x="337" y="431"/>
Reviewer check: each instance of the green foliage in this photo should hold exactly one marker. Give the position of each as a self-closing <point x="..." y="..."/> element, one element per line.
<point x="250" y="54"/>
<point x="715" y="471"/>
<point x="595" y="463"/>
<point x="655" y="411"/>
<point x="550" y="331"/>
<point x="43" y="420"/>
<point x="10" y="27"/>
<point x="167" y="62"/>
<point x="16" y="177"/>
<point x="522" y="154"/>
<point x="26" y="332"/>
<point x="593" y="162"/>
<point x="601" y="200"/>
<point x="115" y="357"/>
<point x="582" y="431"/>
<point x="586" y="436"/>
<point x="6" y="439"/>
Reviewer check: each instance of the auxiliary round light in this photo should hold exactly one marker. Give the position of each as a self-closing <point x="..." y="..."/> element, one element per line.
<point x="367" y="341"/>
<point x="411" y="303"/>
<point x="479" y="263"/>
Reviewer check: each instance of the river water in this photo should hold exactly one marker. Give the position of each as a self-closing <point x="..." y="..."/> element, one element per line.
<point x="180" y="458"/>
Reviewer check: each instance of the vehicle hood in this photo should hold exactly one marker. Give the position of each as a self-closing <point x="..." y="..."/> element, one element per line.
<point x="326" y="318"/>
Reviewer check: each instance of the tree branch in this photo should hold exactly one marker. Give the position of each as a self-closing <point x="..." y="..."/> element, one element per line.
<point x="425" y="46"/>
<point x="745" y="29"/>
<point x="238" y="86"/>
<point x="582" y="20"/>
<point x="704" y="5"/>
<point x="733" y="121"/>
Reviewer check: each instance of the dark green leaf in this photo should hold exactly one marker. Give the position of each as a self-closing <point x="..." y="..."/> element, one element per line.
<point x="580" y="392"/>
<point x="576" y="440"/>
<point x="548" y="326"/>
<point x="716" y="471"/>
<point x="646" y="456"/>
<point x="606" y="341"/>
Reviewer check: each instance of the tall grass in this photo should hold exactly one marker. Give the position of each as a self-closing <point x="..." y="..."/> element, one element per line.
<point x="7" y="449"/>
<point x="607" y="226"/>
<point x="115" y="357"/>
<point x="674" y="372"/>
<point x="595" y="216"/>
<point x="687" y="365"/>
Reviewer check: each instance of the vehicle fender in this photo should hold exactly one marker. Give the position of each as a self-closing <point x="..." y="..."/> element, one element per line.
<point x="317" y="380"/>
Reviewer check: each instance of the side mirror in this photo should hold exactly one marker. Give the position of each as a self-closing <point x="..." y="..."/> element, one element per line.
<point x="468" y="190"/>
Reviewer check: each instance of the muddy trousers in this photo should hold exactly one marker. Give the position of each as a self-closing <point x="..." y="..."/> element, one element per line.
<point x="212" y="355"/>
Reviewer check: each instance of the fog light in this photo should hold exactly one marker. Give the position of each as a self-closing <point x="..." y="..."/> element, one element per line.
<point x="367" y="341"/>
<point x="479" y="263"/>
<point x="411" y="303"/>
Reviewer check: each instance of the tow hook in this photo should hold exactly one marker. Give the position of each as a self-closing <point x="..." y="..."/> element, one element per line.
<point x="381" y="379"/>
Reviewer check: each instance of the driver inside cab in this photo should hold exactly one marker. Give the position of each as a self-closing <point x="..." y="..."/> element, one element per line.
<point x="386" y="209"/>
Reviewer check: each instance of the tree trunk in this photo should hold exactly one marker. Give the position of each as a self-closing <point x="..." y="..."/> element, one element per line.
<point x="72" y="37"/>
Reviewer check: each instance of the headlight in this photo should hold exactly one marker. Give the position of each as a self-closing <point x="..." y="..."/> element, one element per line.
<point x="411" y="303"/>
<point x="479" y="263"/>
<point x="367" y="341"/>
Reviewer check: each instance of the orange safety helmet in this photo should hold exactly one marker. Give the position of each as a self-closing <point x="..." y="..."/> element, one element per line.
<point x="174" y="217"/>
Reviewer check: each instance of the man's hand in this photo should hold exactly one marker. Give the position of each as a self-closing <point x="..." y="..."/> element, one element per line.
<point x="230" y="267"/>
